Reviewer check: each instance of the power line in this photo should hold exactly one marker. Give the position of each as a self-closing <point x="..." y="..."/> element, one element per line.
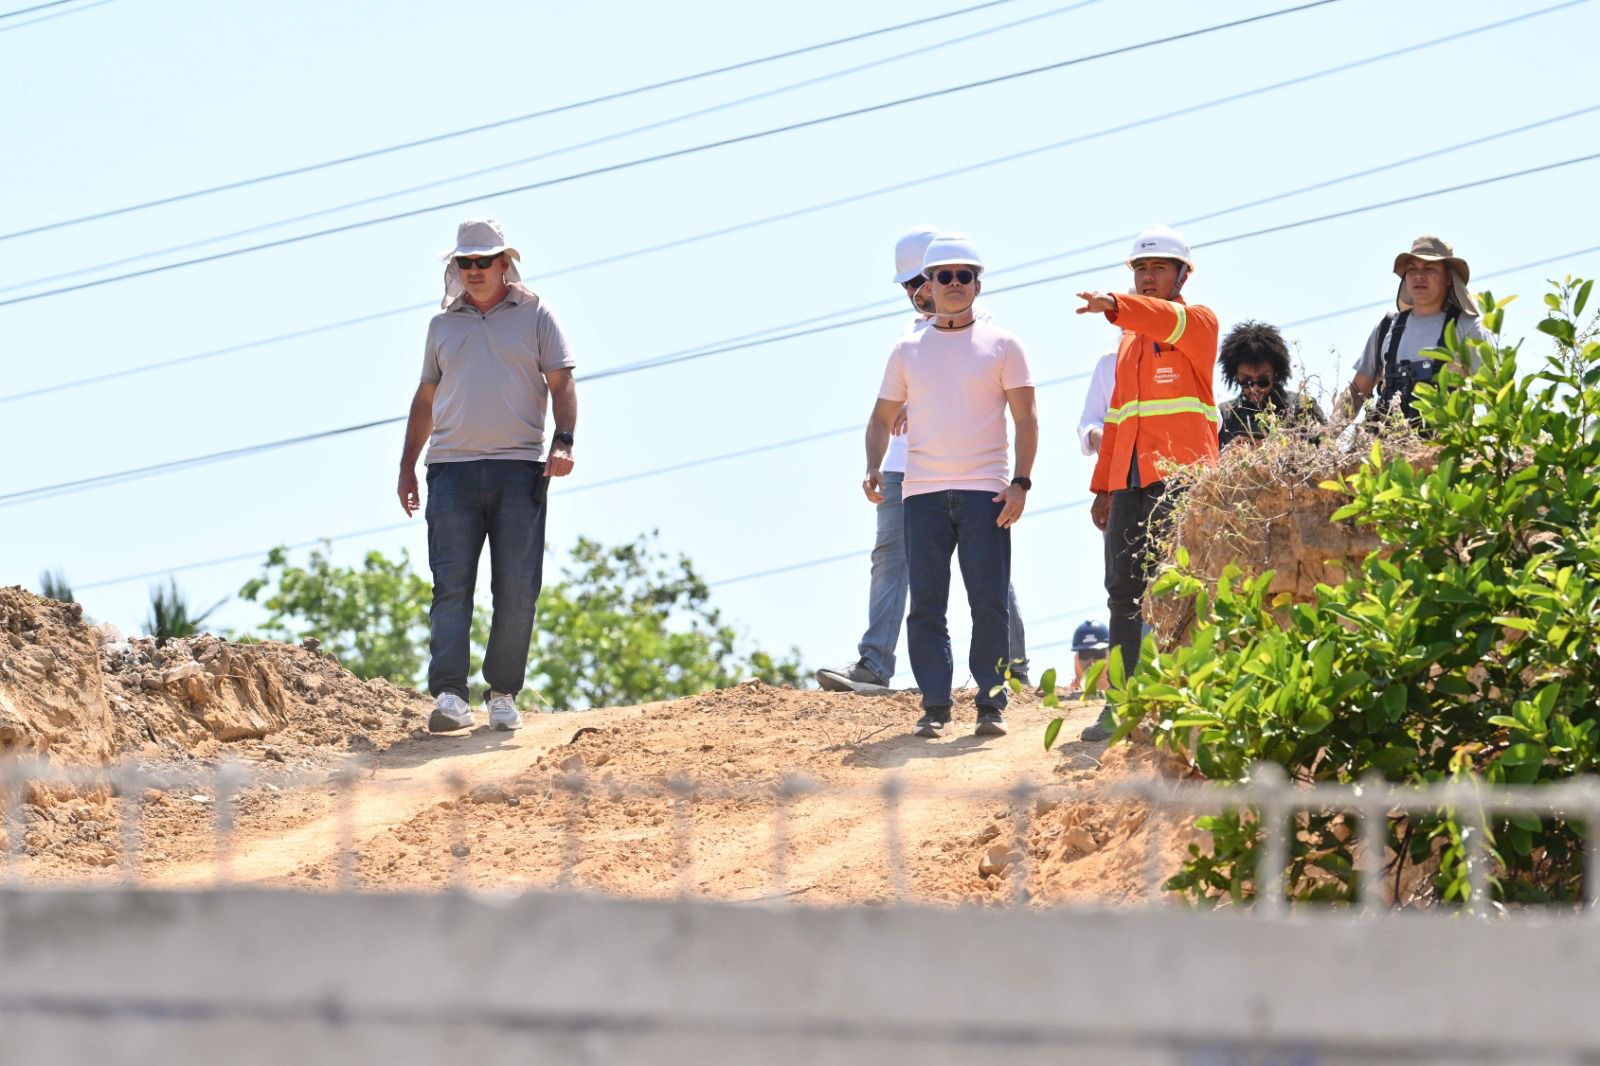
<point x="638" y="475"/>
<point x="47" y="491"/>
<point x="545" y="154"/>
<point x="677" y="153"/>
<point x="31" y="10"/>
<point x="47" y="18"/>
<point x="1408" y="50"/>
<point x="498" y="124"/>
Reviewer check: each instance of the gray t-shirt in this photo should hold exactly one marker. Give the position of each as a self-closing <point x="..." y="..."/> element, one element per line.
<point x="490" y="369"/>
<point x="1421" y="331"/>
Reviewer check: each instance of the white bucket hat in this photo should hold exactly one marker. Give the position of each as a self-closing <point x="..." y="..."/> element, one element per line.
<point x="476" y="236"/>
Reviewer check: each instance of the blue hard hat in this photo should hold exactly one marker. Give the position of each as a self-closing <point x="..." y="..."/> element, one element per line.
<point x="1091" y="636"/>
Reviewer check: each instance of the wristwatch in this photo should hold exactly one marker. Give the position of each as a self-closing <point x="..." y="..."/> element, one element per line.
<point x="1025" y="482"/>
<point x="563" y="438"/>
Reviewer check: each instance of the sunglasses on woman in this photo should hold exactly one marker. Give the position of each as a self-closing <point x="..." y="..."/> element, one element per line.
<point x="944" y="277"/>
<point x="481" y="262"/>
<point x="1255" y="383"/>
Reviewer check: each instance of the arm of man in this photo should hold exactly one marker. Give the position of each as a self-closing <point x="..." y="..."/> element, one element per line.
<point x="419" y="426"/>
<point x="564" y="403"/>
<point x="886" y="415"/>
<point x="1025" y="415"/>
<point x="1191" y="329"/>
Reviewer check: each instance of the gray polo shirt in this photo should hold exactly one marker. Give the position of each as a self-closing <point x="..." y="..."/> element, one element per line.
<point x="489" y="367"/>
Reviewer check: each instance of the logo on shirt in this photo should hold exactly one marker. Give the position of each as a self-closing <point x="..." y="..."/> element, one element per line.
<point x="1166" y="375"/>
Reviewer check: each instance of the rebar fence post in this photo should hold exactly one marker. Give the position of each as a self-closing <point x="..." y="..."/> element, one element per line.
<point x="1268" y="786"/>
<point x="1373" y="809"/>
<point x="574" y="785"/>
<point x="1155" y="817"/>
<point x="128" y="784"/>
<point x="1589" y="807"/>
<point x="459" y="848"/>
<point x="1475" y="831"/>
<point x="13" y="774"/>
<point x="228" y="778"/>
<point x="786" y="788"/>
<point x="894" y="845"/>
<point x="1022" y="797"/>
<point x="344" y="783"/>
<point x="683" y="790"/>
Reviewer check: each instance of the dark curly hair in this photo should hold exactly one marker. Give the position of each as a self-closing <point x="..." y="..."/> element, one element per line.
<point x="1250" y="343"/>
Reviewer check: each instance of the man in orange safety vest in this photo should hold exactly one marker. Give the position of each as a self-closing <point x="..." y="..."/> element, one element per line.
<point x="1162" y="414"/>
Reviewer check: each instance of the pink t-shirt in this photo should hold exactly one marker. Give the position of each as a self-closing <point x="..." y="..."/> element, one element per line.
<point x="953" y="383"/>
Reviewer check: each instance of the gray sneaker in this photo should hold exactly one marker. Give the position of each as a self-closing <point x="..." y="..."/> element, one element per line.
<point x="1101" y="730"/>
<point x="503" y="712"/>
<point x="933" y="723"/>
<point x="450" y="713"/>
<point x="991" y="723"/>
<point x="849" y="678"/>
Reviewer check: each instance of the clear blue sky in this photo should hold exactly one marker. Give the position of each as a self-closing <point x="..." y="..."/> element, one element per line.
<point x="133" y="100"/>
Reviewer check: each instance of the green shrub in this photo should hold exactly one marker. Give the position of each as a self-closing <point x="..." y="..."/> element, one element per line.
<point x="1464" y="649"/>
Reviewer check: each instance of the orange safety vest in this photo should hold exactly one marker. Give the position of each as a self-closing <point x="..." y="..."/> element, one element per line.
<point x="1162" y="404"/>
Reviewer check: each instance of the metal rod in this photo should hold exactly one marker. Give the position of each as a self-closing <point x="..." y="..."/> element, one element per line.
<point x="1022" y="796"/>
<point x="1367" y="883"/>
<point x="895" y="853"/>
<point x="229" y="776"/>
<point x="459" y="848"/>
<point x="344" y="782"/>
<point x="683" y="791"/>
<point x="1273" y="854"/>
<point x="128" y="783"/>
<point x="573" y="784"/>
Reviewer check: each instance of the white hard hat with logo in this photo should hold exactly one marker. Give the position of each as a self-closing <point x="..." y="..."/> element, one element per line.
<point x="951" y="249"/>
<point x="908" y="251"/>
<point x="1161" y="242"/>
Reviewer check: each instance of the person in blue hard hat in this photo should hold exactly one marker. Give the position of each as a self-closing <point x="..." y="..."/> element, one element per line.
<point x="1090" y="641"/>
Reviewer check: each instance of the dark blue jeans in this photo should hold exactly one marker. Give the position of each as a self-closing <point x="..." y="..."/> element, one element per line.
<point x="502" y="500"/>
<point x="938" y="524"/>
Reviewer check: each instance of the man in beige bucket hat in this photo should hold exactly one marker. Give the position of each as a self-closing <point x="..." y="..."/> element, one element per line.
<point x="495" y="356"/>
<point x="1433" y="292"/>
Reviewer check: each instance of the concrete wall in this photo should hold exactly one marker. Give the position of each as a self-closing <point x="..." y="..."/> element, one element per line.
<point x="246" y="977"/>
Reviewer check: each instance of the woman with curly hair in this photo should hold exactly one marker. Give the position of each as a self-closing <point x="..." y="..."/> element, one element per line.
<point x="1255" y="361"/>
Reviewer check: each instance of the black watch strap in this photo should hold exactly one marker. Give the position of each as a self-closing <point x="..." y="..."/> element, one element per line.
<point x="1025" y="482"/>
<point x="563" y="438"/>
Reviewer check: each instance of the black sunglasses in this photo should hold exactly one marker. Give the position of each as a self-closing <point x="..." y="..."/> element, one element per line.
<point x="944" y="277"/>
<point x="482" y="262"/>
<point x="1255" y="383"/>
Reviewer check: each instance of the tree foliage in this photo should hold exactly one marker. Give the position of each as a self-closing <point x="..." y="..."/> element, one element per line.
<point x="624" y="624"/>
<point x="373" y="617"/>
<point x="1464" y="649"/>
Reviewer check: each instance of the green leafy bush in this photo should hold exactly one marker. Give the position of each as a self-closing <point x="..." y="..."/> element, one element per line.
<point x="1465" y="648"/>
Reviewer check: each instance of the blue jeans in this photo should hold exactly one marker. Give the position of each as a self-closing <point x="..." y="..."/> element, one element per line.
<point x="938" y="524"/>
<point x="886" y="599"/>
<point x="502" y="500"/>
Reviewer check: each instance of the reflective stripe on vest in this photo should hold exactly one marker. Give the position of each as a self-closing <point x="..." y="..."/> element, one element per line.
<point x="1177" y="405"/>
<point x="1183" y="323"/>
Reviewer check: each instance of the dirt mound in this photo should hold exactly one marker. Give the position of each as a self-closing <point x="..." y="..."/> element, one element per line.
<point x="52" y="699"/>
<point x="1263" y="508"/>
<point x="195" y="695"/>
<point x="80" y="694"/>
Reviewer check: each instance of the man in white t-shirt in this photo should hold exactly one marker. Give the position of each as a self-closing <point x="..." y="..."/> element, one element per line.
<point x="1433" y="292"/>
<point x="955" y="380"/>
<point x="886" y="596"/>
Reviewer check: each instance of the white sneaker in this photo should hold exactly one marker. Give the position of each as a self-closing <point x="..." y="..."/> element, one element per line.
<point x="450" y="713"/>
<point x="503" y="712"/>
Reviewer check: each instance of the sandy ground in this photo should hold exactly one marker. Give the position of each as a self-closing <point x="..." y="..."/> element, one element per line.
<point x="498" y="811"/>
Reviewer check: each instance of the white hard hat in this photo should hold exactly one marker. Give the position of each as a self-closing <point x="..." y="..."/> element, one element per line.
<point x="949" y="249"/>
<point x="908" y="252"/>
<point x="1161" y="242"/>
